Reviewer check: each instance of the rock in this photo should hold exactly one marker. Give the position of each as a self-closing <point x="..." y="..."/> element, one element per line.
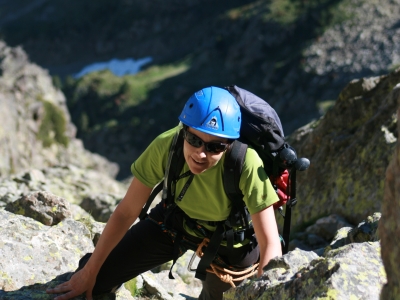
<point x="389" y="228"/>
<point x="38" y="291"/>
<point x="78" y="213"/>
<point x="35" y="253"/>
<point x="100" y="206"/>
<point x="327" y="227"/>
<point x="341" y="238"/>
<point x="95" y="228"/>
<point x="44" y="207"/>
<point x="349" y="152"/>
<point x="66" y="181"/>
<point x="353" y="271"/>
<point x="290" y="263"/>
<point x="160" y="286"/>
<point x="36" y="129"/>
<point x="366" y="231"/>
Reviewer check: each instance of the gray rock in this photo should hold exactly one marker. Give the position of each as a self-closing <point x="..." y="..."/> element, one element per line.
<point x="366" y="231"/>
<point x="44" y="207"/>
<point x="38" y="291"/>
<point x="31" y="138"/>
<point x="327" y="227"/>
<point x="353" y="271"/>
<point x="34" y="253"/>
<point x="100" y="206"/>
<point x="160" y="286"/>
<point x="349" y="152"/>
<point x="389" y="229"/>
<point x="66" y="181"/>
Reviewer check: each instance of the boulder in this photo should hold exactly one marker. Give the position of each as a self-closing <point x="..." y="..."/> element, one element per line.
<point x="44" y="207"/>
<point x="67" y="181"/>
<point x="349" y="149"/>
<point x="160" y="286"/>
<point x="354" y="271"/>
<point x="366" y="231"/>
<point x="328" y="226"/>
<point x="100" y="206"/>
<point x="36" y="257"/>
<point x="35" y="253"/>
<point x="389" y="227"/>
<point x="36" y="129"/>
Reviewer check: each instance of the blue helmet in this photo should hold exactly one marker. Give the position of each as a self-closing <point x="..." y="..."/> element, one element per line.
<point x="214" y="111"/>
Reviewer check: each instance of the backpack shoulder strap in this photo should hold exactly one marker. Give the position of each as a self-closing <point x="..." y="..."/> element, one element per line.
<point x="233" y="165"/>
<point x="174" y="166"/>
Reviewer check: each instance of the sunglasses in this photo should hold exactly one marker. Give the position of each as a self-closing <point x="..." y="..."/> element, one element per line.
<point x="195" y="141"/>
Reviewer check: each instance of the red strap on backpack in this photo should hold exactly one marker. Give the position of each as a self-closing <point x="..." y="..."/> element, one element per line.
<point x="280" y="183"/>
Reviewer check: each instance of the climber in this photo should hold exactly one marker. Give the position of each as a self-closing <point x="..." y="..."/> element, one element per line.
<point x="194" y="206"/>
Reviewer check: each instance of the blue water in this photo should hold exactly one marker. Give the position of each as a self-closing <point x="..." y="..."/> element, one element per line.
<point x="117" y="66"/>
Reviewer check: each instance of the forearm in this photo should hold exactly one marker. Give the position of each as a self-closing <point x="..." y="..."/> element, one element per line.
<point x="113" y="232"/>
<point x="267" y="235"/>
<point x="268" y="252"/>
<point x="120" y="221"/>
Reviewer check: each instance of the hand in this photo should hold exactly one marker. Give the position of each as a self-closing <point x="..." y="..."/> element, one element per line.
<point x="82" y="281"/>
<point x="280" y="184"/>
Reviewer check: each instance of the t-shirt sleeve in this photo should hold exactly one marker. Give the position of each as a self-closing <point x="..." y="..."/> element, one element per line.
<point x="149" y="168"/>
<point x="255" y="185"/>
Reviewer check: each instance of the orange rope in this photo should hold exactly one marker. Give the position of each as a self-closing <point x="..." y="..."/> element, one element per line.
<point x="224" y="274"/>
<point x="204" y="243"/>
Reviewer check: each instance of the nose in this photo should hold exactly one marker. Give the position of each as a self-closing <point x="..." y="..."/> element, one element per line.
<point x="201" y="151"/>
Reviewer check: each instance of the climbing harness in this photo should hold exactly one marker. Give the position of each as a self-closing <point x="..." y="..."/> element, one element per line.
<point x="223" y="273"/>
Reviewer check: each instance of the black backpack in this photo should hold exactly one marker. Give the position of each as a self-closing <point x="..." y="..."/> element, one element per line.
<point x="261" y="128"/>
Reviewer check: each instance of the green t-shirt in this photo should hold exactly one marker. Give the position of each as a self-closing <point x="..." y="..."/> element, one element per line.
<point x="205" y="199"/>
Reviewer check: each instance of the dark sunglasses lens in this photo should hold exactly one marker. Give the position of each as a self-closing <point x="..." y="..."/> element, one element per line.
<point x="193" y="140"/>
<point x="215" y="147"/>
<point x="212" y="147"/>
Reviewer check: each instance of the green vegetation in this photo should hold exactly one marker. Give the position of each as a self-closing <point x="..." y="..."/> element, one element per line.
<point x="131" y="286"/>
<point x="288" y="12"/>
<point x="102" y="100"/>
<point x="324" y="106"/>
<point x="53" y="126"/>
<point x="394" y="67"/>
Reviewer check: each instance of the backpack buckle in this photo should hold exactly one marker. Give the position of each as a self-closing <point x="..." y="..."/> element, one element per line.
<point x="292" y="202"/>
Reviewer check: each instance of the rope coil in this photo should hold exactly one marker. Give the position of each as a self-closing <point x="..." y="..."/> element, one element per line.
<point x="226" y="275"/>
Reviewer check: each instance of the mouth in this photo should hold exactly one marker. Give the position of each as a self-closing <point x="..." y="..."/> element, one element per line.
<point x="198" y="162"/>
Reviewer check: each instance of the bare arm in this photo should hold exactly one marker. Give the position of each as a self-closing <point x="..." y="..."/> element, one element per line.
<point x="267" y="235"/>
<point x="122" y="218"/>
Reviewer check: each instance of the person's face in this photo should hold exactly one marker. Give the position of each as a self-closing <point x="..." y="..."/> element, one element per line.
<point x="199" y="159"/>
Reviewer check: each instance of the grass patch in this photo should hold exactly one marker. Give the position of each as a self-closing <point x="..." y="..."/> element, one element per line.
<point x="324" y="106"/>
<point x="131" y="286"/>
<point x="287" y="12"/>
<point x="53" y="126"/>
<point x="393" y="68"/>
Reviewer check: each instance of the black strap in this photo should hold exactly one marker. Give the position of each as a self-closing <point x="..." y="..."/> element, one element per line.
<point x="233" y="164"/>
<point x="210" y="252"/>
<point x="288" y="212"/>
<point x="186" y="186"/>
<point x="143" y="214"/>
<point x="174" y="167"/>
<point x="230" y="238"/>
<point x="176" y="253"/>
